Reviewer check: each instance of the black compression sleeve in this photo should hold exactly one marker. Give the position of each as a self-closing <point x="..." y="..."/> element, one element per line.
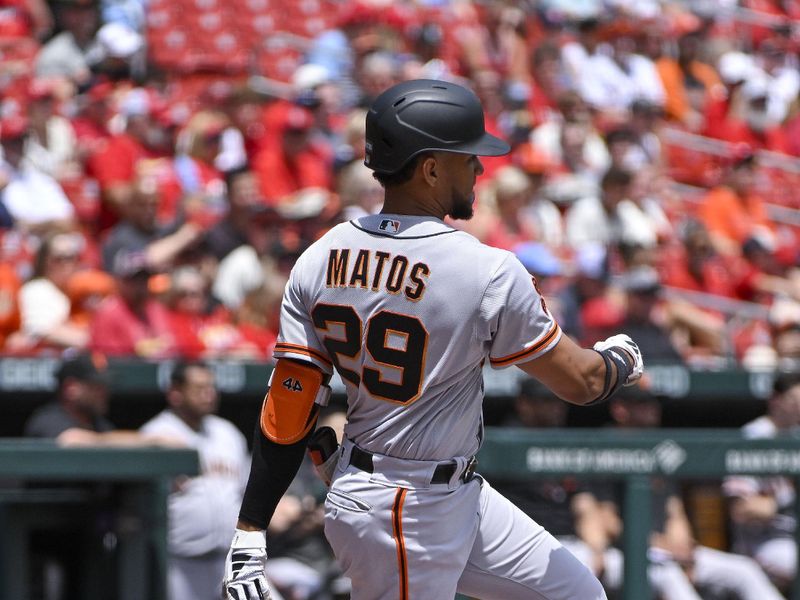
<point x="273" y="468"/>
<point x="623" y="362"/>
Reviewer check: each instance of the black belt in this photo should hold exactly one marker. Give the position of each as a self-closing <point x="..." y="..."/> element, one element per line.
<point x="362" y="459"/>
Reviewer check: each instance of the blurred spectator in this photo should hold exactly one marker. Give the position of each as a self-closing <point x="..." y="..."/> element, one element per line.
<point x="115" y="165"/>
<point x="202" y="189"/>
<point x="351" y="146"/>
<point x="132" y="322"/>
<point x="755" y="127"/>
<point x="203" y="509"/>
<point x="733" y="212"/>
<point x="376" y="72"/>
<point x="200" y="328"/>
<point x="139" y="229"/>
<point x="588" y="286"/>
<point x="244" y="205"/>
<point x="645" y="121"/>
<point x="65" y="55"/>
<point x="697" y="266"/>
<point x="86" y="290"/>
<point x="19" y="182"/>
<point x="549" y="81"/>
<point x="572" y="140"/>
<point x="668" y="331"/>
<point x="735" y="68"/>
<point x="689" y="83"/>
<point x="763" y="509"/>
<point x="611" y="76"/>
<point x="292" y="162"/>
<point x="50" y="146"/>
<point x="43" y="301"/>
<point x="360" y="193"/>
<point x="778" y="61"/>
<point x="612" y="217"/>
<point x="508" y="196"/>
<point x="114" y="54"/>
<point x="9" y="302"/>
<point x="77" y="417"/>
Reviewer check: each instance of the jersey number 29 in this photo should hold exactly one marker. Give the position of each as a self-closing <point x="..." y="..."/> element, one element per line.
<point x="409" y="360"/>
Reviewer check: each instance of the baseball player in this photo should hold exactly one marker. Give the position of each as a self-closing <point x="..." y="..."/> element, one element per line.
<point x="408" y="310"/>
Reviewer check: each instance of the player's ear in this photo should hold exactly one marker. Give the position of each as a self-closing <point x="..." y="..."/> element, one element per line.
<point x="430" y="170"/>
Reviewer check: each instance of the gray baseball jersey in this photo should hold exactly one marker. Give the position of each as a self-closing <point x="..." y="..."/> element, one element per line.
<point x="204" y="509"/>
<point x="407" y="309"/>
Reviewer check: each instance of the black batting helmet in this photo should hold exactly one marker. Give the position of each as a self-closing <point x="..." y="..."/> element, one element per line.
<point x="424" y="115"/>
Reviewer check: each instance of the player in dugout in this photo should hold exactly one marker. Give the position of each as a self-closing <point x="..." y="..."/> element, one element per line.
<point x="407" y="309"/>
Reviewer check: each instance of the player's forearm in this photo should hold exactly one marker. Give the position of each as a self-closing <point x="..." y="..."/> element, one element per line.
<point x="273" y="468"/>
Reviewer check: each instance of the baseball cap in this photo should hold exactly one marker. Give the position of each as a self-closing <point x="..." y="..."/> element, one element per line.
<point x="119" y="40"/>
<point x="298" y="119"/>
<point x="86" y="367"/>
<point x="736" y="67"/>
<point x="13" y="127"/>
<point x="640" y="280"/>
<point x="130" y="264"/>
<point x="538" y="259"/>
<point x="41" y="89"/>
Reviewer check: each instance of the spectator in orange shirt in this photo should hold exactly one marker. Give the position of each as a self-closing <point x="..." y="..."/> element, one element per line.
<point x="9" y="308"/>
<point x="732" y="212"/>
<point x="688" y="82"/>
<point x="292" y="162"/>
<point x="86" y="290"/>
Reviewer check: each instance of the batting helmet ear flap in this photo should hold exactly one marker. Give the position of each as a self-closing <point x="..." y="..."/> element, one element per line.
<point x="426" y="115"/>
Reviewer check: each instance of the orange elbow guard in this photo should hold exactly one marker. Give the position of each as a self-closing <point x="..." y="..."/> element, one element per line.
<point x="290" y="409"/>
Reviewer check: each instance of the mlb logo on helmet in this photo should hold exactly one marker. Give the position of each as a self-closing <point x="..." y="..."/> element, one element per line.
<point x="389" y="226"/>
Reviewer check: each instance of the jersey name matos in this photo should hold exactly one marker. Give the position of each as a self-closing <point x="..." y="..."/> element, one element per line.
<point x="407" y="310"/>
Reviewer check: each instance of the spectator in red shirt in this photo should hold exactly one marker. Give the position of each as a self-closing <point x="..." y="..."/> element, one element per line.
<point x="292" y="162"/>
<point x="755" y="127"/>
<point x="548" y="83"/>
<point x="91" y="122"/>
<point x="114" y="167"/>
<point x="199" y="329"/>
<point x="201" y="184"/>
<point x="697" y="266"/>
<point x="132" y="322"/>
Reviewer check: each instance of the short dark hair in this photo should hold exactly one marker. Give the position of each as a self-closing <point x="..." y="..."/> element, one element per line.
<point x="178" y="376"/>
<point x="785" y="381"/>
<point x="406" y="172"/>
<point x="616" y="177"/>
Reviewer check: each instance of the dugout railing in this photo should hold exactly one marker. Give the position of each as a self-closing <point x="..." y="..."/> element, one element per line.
<point x="634" y="457"/>
<point x="48" y="489"/>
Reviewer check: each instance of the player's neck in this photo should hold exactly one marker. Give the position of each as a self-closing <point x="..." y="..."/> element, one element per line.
<point x="400" y="201"/>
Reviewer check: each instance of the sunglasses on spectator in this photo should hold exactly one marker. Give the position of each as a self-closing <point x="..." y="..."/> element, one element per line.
<point x="64" y="257"/>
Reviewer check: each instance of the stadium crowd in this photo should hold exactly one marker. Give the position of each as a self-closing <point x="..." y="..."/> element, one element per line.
<point x="164" y="162"/>
<point x="163" y="166"/>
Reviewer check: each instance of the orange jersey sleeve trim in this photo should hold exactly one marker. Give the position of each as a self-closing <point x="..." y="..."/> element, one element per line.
<point x="542" y="343"/>
<point x="304" y="350"/>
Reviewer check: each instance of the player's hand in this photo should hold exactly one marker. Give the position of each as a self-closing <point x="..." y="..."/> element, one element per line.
<point x="245" y="578"/>
<point x="631" y="349"/>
